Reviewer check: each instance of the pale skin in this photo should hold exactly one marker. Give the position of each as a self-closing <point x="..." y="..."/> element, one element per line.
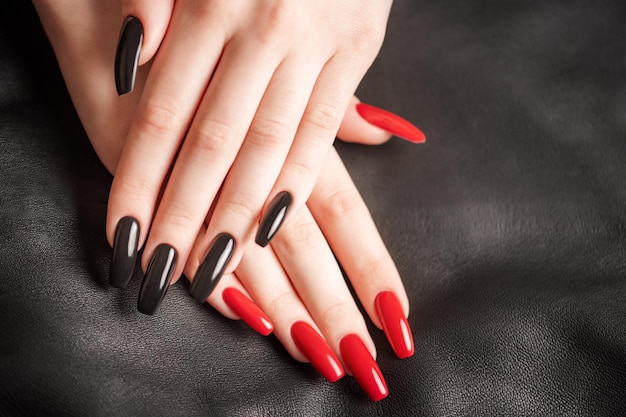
<point x="297" y="278"/>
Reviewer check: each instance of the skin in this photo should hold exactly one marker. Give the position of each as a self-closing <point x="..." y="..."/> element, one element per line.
<point x="297" y="277"/>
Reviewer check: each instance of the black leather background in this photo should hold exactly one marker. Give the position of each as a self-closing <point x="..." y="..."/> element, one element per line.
<point x="508" y="227"/>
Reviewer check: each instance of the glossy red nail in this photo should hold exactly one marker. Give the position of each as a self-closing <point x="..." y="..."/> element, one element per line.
<point x="390" y="122"/>
<point x="322" y="357"/>
<point x="247" y="310"/>
<point x="363" y="367"/>
<point x="395" y="324"/>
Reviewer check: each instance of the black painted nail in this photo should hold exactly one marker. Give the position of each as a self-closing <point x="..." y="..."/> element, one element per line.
<point x="273" y="218"/>
<point x="213" y="266"/>
<point x="127" y="55"/>
<point x="157" y="279"/>
<point x="124" y="252"/>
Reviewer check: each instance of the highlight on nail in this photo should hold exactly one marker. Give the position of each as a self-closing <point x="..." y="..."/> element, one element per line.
<point x="317" y="351"/>
<point x="247" y="310"/>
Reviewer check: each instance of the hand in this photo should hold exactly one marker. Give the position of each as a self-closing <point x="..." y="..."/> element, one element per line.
<point x="296" y="282"/>
<point x="243" y="101"/>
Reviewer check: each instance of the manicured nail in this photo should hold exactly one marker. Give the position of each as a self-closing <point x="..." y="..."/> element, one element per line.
<point x="247" y="310"/>
<point x="124" y="252"/>
<point x="273" y="218"/>
<point x="395" y="324"/>
<point x="127" y="55"/>
<point x="390" y="122"/>
<point x="213" y="266"/>
<point x="363" y="367"/>
<point x="317" y="351"/>
<point x="157" y="279"/>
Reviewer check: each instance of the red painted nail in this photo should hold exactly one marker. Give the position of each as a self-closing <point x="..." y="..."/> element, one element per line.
<point x="390" y="122"/>
<point x="317" y="351"/>
<point x="395" y="324"/>
<point x="363" y="367"/>
<point x="247" y="310"/>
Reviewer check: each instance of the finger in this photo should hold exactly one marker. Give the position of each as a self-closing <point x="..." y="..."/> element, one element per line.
<point x="256" y="167"/>
<point x="208" y="151"/>
<point x="162" y="119"/>
<point x="263" y="276"/>
<point x="362" y="253"/>
<point x="355" y="129"/>
<point x="307" y="259"/>
<point x="316" y="132"/>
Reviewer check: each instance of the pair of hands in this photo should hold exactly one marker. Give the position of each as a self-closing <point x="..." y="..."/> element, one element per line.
<point x="208" y="127"/>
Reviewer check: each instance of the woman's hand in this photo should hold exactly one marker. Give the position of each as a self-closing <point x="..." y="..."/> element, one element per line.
<point x="240" y="108"/>
<point x="297" y="282"/>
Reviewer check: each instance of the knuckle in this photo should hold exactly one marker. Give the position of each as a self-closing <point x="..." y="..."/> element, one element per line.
<point x="278" y="20"/>
<point x="178" y="217"/>
<point x="214" y="137"/>
<point x="372" y="266"/>
<point x="297" y="237"/>
<point x="136" y="188"/>
<point x="302" y="169"/>
<point x="323" y="119"/>
<point x="159" y="118"/>
<point x="244" y="208"/>
<point x="281" y="303"/>
<point x="340" y="203"/>
<point x="336" y="312"/>
<point x="268" y="133"/>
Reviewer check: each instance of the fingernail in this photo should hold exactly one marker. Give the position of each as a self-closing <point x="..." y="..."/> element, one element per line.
<point x="247" y="310"/>
<point x="157" y="279"/>
<point x="273" y="218"/>
<point x="395" y="324"/>
<point x="127" y="55"/>
<point x="213" y="266"/>
<point x="124" y="252"/>
<point x="363" y="367"/>
<point x="390" y="122"/>
<point x="317" y="351"/>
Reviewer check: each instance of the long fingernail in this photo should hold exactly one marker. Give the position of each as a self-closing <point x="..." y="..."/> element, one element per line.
<point x="157" y="279"/>
<point x="213" y="266"/>
<point x="273" y="218"/>
<point x="395" y="324"/>
<point x="322" y="357"/>
<point x="363" y="367"/>
<point x="127" y="55"/>
<point x="247" y="310"/>
<point x="390" y="122"/>
<point x="124" y="252"/>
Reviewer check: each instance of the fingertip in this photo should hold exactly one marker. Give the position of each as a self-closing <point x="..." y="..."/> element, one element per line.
<point x="155" y="18"/>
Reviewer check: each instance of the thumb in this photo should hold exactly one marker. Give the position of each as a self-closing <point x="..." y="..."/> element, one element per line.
<point x="356" y="129"/>
<point x="144" y="25"/>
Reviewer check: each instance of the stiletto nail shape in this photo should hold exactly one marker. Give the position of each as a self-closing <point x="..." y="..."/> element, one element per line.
<point x="315" y="348"/>
<point x="213" y="266"/>
<point x="124" y="252"/>
<point x="247" y="310"/>
<point x="395" y="324"/>
<point x="127" y="55"/>
<point x="363" y="367"/>
<point x="273" y="218"/>
<point x="157" y="280"/>
<point x="390" y="122"/>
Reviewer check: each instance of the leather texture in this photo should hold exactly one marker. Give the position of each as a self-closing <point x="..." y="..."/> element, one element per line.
<point x="508" y="227"/>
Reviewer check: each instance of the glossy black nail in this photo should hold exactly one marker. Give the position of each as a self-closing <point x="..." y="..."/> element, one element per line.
<point x="273" y="218"/>
<point x="213" y="266"/>
<point x="157" y="279"/>
<point x="124" y="252"/>
<point x="127" y="55"/>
